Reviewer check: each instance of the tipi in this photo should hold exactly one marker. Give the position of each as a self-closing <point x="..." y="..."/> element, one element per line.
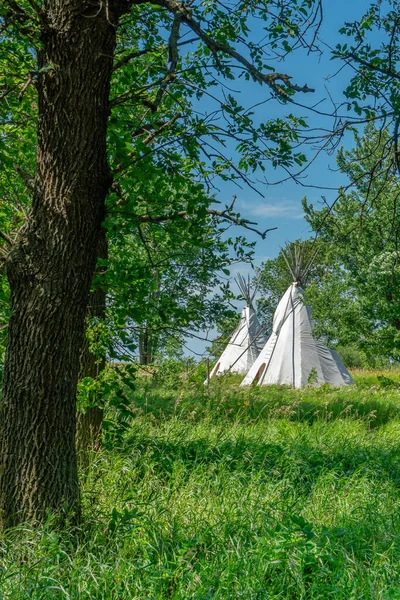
<point x="292" y="356"/>
<point x="247" y="340"/>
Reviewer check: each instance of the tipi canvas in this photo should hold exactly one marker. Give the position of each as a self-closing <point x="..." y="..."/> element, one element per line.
<point x="292" y="356"/>
<point x="246" y="342"/>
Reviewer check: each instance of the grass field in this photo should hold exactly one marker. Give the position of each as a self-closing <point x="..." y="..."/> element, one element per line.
<point x="227" y="493"/>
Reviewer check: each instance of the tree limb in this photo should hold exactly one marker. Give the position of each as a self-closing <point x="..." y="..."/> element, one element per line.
<point x="26" y="178"/>
<point x="271" y="79"/>
<point x="173" y="57"/>
<point x="142" y="238"/>
<point x="152" y="135"/>
<point x="372" y="67"/>
<point x="396" y="144"/>
<point x="162" y="127"/>
<point x="128" y="57"/>
<point x="183" y="214"/>
<point x="6" y="238"/>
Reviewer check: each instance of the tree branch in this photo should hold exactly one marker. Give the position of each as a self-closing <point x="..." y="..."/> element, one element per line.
<point x="152" y="135"/>
<point x="271" y="79"/>
<point x="372" y="67"/>
<point x="173" y="57"/>
<point x="396" y="144"/>
<point x="6" y="238"/>
<point x="162" y="127"/>
<point x="142" y="238"/>
<point x="26" y="178"/>
<point x="128" y="57"/>
<point x="226" y="215"/>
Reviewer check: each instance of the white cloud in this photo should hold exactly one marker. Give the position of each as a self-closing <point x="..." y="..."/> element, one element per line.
<point x="281" y="207"/>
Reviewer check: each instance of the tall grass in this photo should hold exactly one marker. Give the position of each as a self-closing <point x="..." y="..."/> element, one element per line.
<point x="224" y="493"/>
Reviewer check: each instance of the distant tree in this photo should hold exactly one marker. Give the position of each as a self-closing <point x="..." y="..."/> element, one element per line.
<point x="362" y="231"/>
<point x="164" y="276"/>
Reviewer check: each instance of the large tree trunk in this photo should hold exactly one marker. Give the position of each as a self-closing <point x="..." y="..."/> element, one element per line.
<point x="51" y="269"/>
<point x="89" y="423"/>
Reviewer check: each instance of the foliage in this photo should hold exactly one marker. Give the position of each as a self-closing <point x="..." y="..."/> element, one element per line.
<point x="164" y="277"/>
<point x="110" y="392"/>
<point x="171" y="135"/>
<point x="354" y="358"/>
<point x="372" y="49"/>
<point x="277" y="494"/>
<point x="361" y="293"/>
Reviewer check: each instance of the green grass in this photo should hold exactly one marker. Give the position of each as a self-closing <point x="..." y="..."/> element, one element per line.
<point x="227" y="493"/>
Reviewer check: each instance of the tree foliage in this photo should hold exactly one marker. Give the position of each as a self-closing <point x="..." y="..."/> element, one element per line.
<point x="363" y="232"/>
<point x="170" y="62"/>
<point x="164" y="277"/>
<point x="371" y="50"/>
<point x="353" y="288"/>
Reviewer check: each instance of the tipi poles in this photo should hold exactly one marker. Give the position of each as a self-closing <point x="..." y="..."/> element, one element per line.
<point x="299" y="260"/>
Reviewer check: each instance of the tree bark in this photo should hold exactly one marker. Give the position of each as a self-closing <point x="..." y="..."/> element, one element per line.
<point x="145" y="350"/>
<point x="50" y="270"/>
<point x="89" y="423"/>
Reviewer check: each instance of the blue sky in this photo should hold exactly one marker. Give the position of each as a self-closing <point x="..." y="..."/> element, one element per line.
<point x="280" y="205"/>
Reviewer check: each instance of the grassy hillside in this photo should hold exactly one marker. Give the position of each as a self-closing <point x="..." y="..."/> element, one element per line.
<point x="227" y="493"/>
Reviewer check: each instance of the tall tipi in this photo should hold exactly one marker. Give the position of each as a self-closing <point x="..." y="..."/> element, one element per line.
<point x="292" y="355"/>
<point x="247" y="340"/>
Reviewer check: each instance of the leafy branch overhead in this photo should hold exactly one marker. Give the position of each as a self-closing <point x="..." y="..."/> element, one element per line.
<point x="184" y="13"/>
<point x="371" y="51"/>
<point x="181" y="138"/>
<point x="227" y="214"/>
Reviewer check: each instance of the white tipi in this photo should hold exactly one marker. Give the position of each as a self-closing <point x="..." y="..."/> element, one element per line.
<point x="247" y="340"/>
<point x="292" y="356"/>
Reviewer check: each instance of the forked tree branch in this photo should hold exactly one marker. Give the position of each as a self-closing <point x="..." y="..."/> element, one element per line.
<point x="184" y="12"/>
